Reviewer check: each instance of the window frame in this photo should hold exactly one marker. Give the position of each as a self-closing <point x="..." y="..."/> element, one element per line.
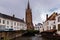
<point x="7" y="22"/>
<point x="59" y="19"/>
<point x="3" y="22"/>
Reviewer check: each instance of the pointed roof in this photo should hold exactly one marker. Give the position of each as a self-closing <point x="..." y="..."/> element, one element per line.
<point x="28" y="6"/>
<point x="11" y="18"/>
<point x="52" y="17"/>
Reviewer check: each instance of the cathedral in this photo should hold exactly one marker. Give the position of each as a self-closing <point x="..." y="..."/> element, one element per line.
<point x="29" y="18"/>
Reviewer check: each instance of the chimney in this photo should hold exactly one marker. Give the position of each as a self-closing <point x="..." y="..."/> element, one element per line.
<point x="13" y="15"/>
<point x="46" y="16"/>
<point x="56" y="13"/>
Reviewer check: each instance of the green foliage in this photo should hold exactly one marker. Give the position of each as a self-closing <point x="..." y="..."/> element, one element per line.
<point x="30" y="32"/>
<point x="22" y="30"/>
<point x="33" y="31"/>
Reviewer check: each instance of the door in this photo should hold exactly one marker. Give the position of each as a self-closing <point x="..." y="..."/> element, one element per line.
<point x="58" y="27"/>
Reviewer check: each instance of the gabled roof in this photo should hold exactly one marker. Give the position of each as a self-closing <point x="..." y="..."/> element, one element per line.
<point x="11" y="18"/>
<point x="53" y="16"/>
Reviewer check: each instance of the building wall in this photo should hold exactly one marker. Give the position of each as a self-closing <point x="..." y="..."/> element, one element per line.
<point x="52" y="24"/>
<point x="48" y="25"/>
<point x="15" y="25"/>
<point x="38" y="27"/>
<point x="57" y="22"/>
<point x="58" y="31"/>
<point x="45" y="25"/>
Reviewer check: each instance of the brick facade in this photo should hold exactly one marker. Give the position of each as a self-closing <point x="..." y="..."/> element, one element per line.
<point x="29" y="18"/>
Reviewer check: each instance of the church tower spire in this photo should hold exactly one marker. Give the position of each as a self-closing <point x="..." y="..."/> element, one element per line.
<point x="29" y="17"/>
<point x="28" y="6"/>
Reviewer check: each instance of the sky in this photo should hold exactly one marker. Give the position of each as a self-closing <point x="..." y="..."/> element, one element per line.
<point x="39" y="8"/>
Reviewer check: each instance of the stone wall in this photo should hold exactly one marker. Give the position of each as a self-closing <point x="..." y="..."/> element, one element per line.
<point x="7" y="35"/>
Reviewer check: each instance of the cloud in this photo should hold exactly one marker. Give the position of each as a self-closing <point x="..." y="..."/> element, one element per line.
<point x="42" y="7"/>
<point x="39" y="8"/>
<point x="58" y="10"/>
<point x="16" y="7"/>
<point x="4" y="11"/>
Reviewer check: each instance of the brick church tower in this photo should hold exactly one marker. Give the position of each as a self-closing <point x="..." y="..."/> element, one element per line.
<point x="29" y="18"/>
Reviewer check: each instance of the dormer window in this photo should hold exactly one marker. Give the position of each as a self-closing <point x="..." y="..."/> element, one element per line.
<point x="58" y="19"/>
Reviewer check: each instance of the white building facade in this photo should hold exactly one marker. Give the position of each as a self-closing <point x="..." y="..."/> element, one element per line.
<point x="11" y="22"/>
<point x="48" y="25"/>
<point x="39" y="27"/>
<point x="52" y="23"/>
<point x="58" y="23"/>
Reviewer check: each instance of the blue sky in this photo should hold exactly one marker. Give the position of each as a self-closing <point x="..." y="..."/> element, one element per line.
<point x="39" y="8"/>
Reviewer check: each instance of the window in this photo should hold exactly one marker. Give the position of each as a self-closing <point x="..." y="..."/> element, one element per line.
<point x="47" y="23"/>
<point x="54" y="21"/>
<point x="21" y="24"/>
<point x="11" y="26"/>
<point x="14" y="27"/>
<point x="58" y="19"/>
<point x="7" y="26"/>
<point x="2" y="27"/>
<point x="11" y="23"/>
<point x="3" y="21"/>
<point x="40" y="26"/>
<point x="54" y="27"/>
<point x="17" y="27"/>
<point x="0" y="20"/>
<point x="8" y="22"/>
<point x="15" y="23"/>
<point x="47" y="27"/>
